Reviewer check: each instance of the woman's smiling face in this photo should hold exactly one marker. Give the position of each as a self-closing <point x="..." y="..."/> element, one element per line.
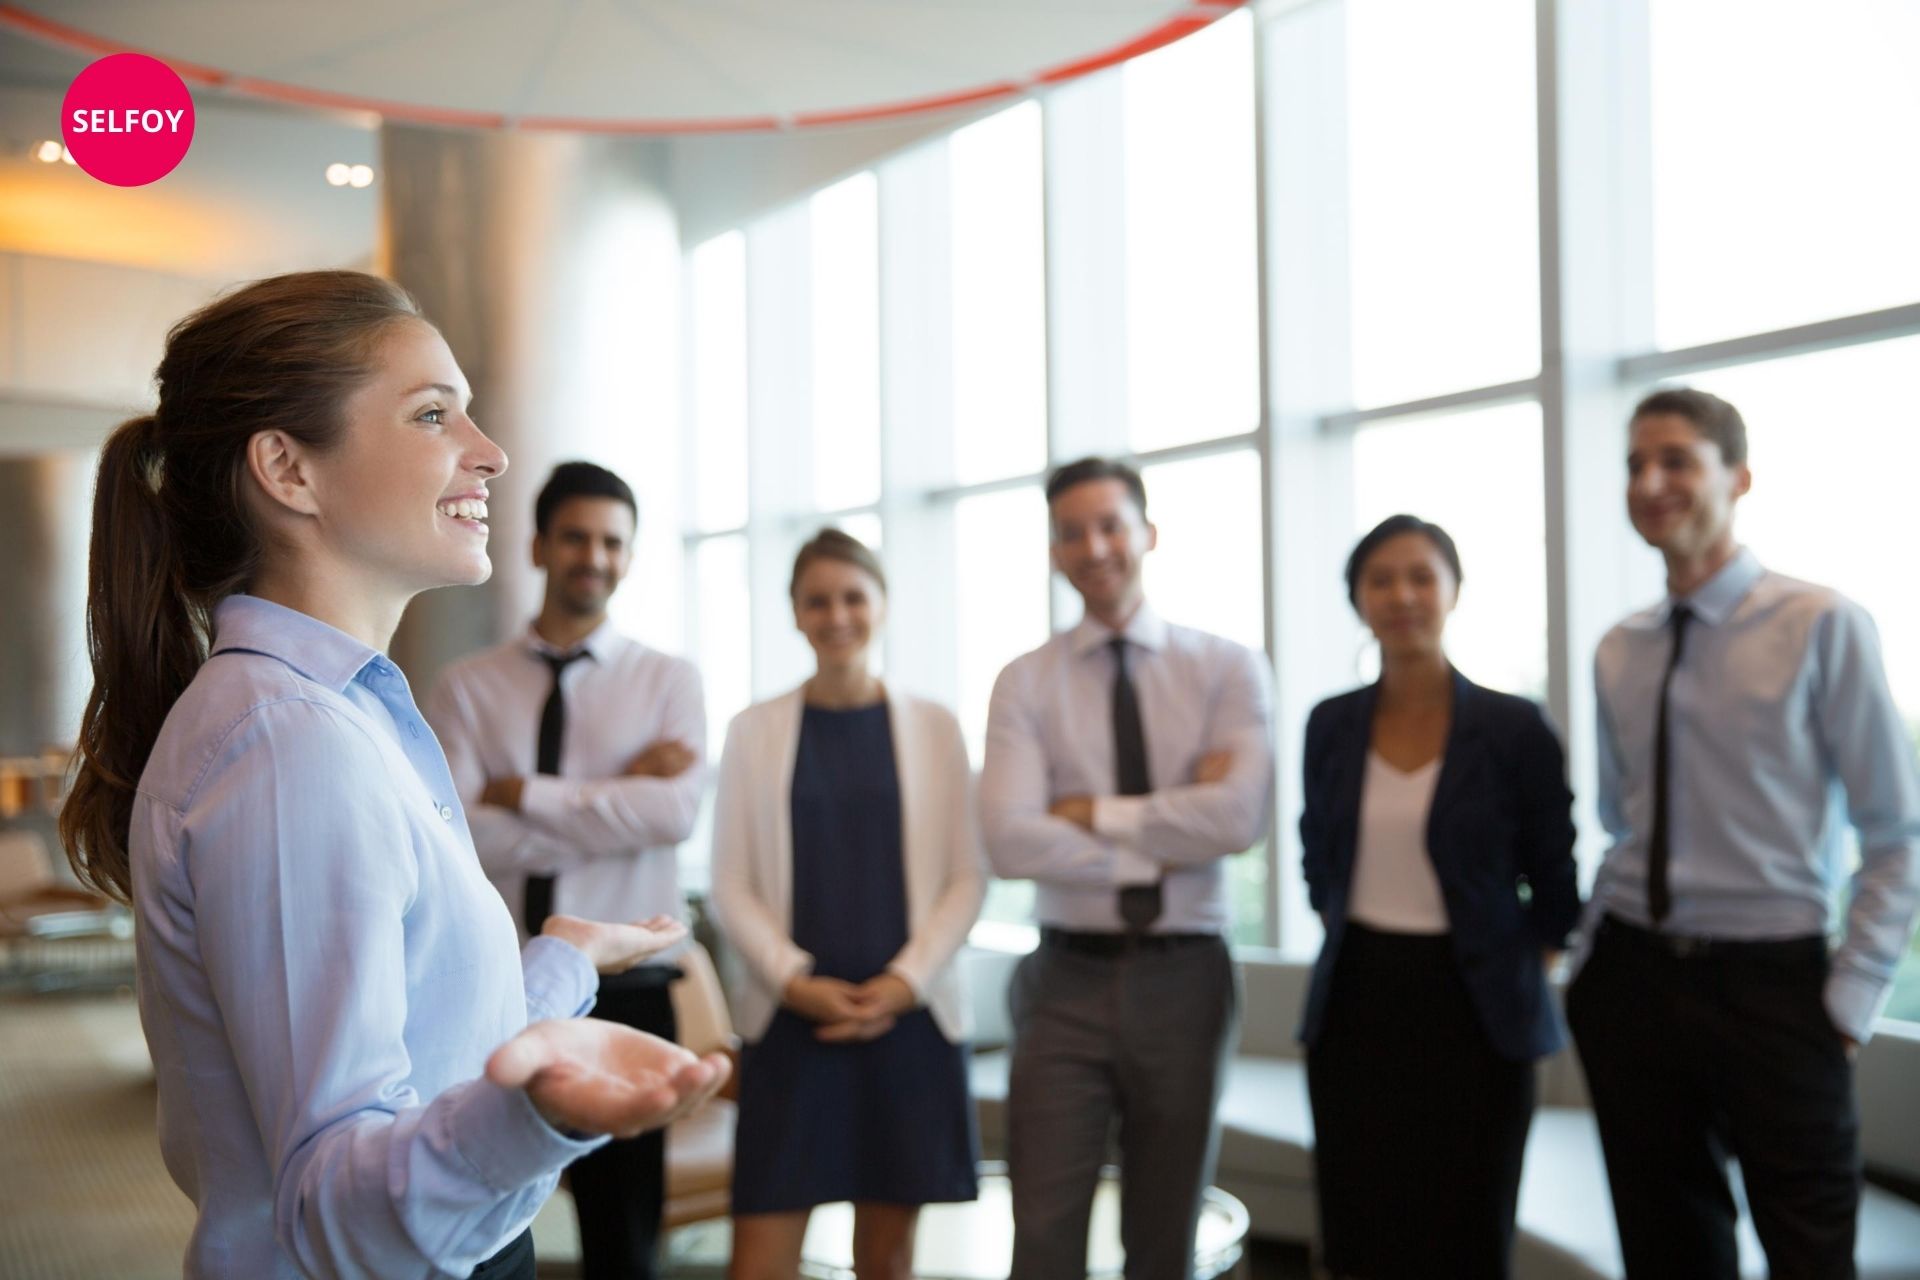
<point x="403" y="497"/>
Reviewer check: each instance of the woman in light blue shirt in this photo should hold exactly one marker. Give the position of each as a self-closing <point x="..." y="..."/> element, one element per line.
<point x="331" y="990"/>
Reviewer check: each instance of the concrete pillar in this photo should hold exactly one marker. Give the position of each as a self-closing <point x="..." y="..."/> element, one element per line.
<point x="551" y="263"/>
<point x="45" y="515"/>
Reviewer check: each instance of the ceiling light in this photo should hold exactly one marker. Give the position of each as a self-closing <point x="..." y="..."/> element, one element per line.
<point x="337" y="175"/>
<point x="361" y="175"/>
<point x="66" y="156"/>
<point x="48" y="152"/>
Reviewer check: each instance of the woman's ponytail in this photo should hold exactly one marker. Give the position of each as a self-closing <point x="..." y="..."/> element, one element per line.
<point x="145" y="641"/>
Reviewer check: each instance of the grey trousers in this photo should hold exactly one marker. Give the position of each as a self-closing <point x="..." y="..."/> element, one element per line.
<point x="1136" y="1042"/>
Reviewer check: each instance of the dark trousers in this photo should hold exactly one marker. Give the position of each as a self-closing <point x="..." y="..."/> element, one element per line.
<point x="1420" y="1126"/>
<point x="1128" y="1046"/>
<point x="1695" y="1053"/>
<point x="513" y="1262"/>
<point x="618" y="1189"/>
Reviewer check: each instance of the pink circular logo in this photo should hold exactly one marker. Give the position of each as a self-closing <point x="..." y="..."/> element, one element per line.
<point x="127" y="119"/>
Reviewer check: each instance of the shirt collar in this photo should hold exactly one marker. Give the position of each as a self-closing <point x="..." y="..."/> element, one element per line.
<point x="599" y="642"/>
<point x="1713" y="600"/>
<point x="322" y="653"/>
<point x="1146" y="629"/>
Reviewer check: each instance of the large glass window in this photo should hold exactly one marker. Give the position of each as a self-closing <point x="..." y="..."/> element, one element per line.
<point x="722" y="629"/>
<point x="1193" y="325"/>
<point x="1785" y="188"/>
<point x="1208" y="570"/>
<point x="1478" y="475"/>
<point x="1763" y="182"/>
<point x="1444" y="212"/>
<point x="999" y="297"/>
<point x="719" y="392"/>
<point x="718" y="640"/>
<point x="1001" y="569"/>
<point x="1834" y="443"/>
<point x="846" y="344"/>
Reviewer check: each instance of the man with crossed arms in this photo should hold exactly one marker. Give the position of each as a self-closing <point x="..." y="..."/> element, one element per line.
<point x="577" y="752"/>
<point x="1126" y="759"/>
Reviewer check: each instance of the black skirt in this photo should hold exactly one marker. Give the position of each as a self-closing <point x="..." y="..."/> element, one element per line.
<point x="1419" y="1126"/>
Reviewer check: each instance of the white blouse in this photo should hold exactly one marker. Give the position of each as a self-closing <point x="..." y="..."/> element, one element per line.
<point x="1394" y="885"/>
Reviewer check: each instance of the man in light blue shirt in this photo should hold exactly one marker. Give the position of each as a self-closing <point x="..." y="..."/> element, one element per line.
<point x="1734" y="719"/>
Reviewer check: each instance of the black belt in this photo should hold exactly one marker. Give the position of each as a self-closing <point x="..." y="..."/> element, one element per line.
<point x="1120" y="944"/>
<point x="1687" y="947"/>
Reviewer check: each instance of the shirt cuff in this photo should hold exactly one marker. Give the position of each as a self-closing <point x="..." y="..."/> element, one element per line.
<point x="542" y="795"/>
<point x="561" y="982"/>
<point x="506" y="1141"/>
<point x="1119" y="818"/>
<point x="1853" y="1002"/>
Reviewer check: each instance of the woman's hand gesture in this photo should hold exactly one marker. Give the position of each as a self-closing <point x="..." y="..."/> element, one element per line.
<point x="616" y="948"/>
<point x="588" y="1076"/>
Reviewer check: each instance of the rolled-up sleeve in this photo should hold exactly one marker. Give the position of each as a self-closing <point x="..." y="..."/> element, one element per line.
<point x="300" y="897"/>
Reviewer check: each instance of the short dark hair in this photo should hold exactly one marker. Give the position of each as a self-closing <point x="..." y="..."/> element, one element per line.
<point x="1087" y="469"/>
<point x="579" y="480"/>
<point x="1393" y="527"/>
<point x="1712" y="417"/>
<point x="834" y="544"/>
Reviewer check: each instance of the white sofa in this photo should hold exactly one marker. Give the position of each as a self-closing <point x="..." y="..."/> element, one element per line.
<point x="1566" y="1229"/>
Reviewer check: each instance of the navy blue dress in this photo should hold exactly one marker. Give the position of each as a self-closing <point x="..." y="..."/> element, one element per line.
<point x="886" y="1120"/>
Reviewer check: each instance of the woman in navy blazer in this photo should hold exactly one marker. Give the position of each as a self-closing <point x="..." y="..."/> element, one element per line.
<point x="1438" y="850"/>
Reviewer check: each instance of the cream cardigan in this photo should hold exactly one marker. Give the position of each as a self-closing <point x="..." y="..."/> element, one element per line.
<point x="753" y="856"/>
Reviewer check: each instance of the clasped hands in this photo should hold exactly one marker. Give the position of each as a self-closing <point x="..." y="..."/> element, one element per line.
<point x="584" y="1075"/>
<point x="850" y="1011"/>
<point x="1212" y="767"/>
<point x="667" y="758"/>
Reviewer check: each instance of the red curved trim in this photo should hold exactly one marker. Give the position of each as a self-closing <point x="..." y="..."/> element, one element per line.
<point x="1201" y="14"/>
<point x="588" y="124"/>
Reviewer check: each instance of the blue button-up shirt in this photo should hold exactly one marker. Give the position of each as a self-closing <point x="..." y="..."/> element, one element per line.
<point x="1781" y="732"/>
<point x="323" y="970"/>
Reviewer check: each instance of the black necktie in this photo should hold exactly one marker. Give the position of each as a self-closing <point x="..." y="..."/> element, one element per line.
<point x="553" y="728"/>
<point x="1659" y="891"/>
<point x="1139" y="903"/>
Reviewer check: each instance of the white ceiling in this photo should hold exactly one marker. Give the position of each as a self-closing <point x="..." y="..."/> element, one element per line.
<point x="631" y="65"/>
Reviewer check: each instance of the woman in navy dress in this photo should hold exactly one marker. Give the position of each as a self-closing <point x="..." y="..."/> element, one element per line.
<point x="846" y="873"/>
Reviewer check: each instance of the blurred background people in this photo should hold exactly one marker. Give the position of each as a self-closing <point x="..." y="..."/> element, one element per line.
<point x="1711" y="1018"/>
<point x="1437" y="841"/>
<point x="847" y="874"/>
<point x="579" y="754"/>
<point x="1127" y="758"/>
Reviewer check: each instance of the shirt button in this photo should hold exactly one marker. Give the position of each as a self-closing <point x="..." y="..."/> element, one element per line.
<point x="446" y="812"/>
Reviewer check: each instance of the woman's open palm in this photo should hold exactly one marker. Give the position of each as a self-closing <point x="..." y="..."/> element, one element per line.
<point x="592" y="1076"/>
